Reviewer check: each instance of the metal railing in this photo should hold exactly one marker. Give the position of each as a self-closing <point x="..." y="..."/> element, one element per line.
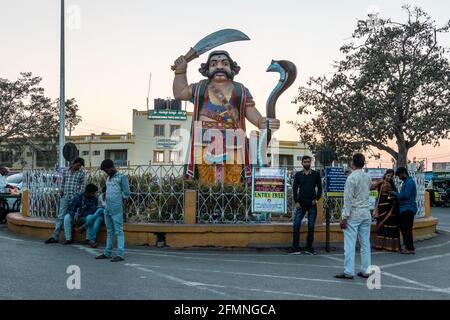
<point x="223" y="203"/>
<point x="157" y="192"/>
<point x="157" y="196"/>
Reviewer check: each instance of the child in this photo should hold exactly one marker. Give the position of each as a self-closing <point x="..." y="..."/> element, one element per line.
<point x="117" y="190"/>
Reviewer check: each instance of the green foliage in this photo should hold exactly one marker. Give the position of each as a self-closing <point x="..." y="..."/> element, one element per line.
<point x="29" y="118"/>
<point x="392" y="85"/>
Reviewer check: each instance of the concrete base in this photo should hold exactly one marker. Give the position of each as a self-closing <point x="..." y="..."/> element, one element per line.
<point x="203" y="235"/>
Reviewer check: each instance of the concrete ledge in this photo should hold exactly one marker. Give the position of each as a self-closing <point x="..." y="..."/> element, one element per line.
<point x="204" y="235"/>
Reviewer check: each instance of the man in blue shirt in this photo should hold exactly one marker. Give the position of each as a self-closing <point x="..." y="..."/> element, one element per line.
<point x="408" y="208"/>
<point x="81" y="206"/>
<point x="117" y="190"/>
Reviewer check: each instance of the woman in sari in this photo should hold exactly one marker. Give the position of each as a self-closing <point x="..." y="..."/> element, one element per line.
<point x="386" y="213"/>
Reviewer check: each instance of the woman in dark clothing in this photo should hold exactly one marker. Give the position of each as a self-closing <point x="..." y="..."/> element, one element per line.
<point x="386" y="213"/>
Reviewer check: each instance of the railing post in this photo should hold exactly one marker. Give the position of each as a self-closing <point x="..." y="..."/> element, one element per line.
<point x="190" y="206"/>
<point x="327" y="245"/>
<point x="427" y="205"/>
<point x="26" y="203"/>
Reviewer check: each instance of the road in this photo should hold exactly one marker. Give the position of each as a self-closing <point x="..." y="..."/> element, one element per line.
<point x="29" y="269"/>
<point x="443" y="214"/>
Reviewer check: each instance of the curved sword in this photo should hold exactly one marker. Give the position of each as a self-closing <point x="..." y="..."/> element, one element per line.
<point x="214" y="40"/>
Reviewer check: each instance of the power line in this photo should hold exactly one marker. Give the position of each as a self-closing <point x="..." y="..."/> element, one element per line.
<point x="94" y="125"/>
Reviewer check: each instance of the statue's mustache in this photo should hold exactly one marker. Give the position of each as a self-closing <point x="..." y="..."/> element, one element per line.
<point x="226" y="72"/>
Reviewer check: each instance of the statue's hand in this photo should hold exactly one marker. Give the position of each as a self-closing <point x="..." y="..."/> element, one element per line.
<point x="274" y="124"/>
<point x="181" y="64"/>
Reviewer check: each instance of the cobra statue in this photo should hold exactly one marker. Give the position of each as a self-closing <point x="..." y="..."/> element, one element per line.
<point x="288" y="74"/>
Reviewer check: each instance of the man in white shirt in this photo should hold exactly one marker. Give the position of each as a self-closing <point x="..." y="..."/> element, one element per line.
<point x="356" y="219"/>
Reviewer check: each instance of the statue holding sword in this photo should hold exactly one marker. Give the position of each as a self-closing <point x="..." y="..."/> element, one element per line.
<point x="218" y="150"/>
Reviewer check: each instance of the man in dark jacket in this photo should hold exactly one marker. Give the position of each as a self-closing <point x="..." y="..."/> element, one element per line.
<point x="408" y="208"/>
<point x="307" y="191"/>
<point x="80" y="207"/>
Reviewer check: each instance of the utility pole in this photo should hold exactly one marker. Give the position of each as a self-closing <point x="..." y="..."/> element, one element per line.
<point x="149" y="88"/>
<point x="62" y="89"/>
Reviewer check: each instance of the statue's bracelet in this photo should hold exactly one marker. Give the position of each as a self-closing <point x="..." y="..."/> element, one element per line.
<point x="180" y="71"/>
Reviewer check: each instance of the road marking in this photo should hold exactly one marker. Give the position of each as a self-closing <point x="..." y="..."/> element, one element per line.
<point x="292" y="278"/>
<point x="334" y="258"/>
<point x="206" y="286"/>
<point x="197" y="285"/>
<point x="232" y="260"/>
<point x="13" y="239"/>
<point x="414" y="282"/>
<point x="439" y="256"/>
<point x="88" y="250"/>
<point x="286" y="293"/>
<point x="432" y="288"/>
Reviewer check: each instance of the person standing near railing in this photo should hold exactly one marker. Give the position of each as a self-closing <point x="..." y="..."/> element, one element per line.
<point x="117" y="190"/>
<point x="73" y="183"/>
<point x="307" y="191"/>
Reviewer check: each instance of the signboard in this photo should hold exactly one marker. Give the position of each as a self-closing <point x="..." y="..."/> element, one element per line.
<point x="441" y="167"/>
<point x="269" y="190"/>
<point x="167" y="115"/>
<point x="375" y="174"/>
<point x="167" y="143"/>
<point x="335" y="181"/>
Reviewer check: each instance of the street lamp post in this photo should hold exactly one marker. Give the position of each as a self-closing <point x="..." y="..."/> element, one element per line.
<point x="62" y="93"/>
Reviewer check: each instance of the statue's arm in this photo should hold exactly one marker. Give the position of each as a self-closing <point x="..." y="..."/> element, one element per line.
<point x="254" y="116"/>
<point x="182" y="90"/>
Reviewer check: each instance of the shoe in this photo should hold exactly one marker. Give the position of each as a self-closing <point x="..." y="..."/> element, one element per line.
<point x="405" y="251"/>
<point x="86" y="242"/>
<point x="102" y="257"/>
<point x="294" y="251"/>
<point x="67" y="242"/>
<point x="51" y="240"/>
<point x="363" y="275"/>
<point x="310" y="251"/>
<point x="117" y="259"/>
<point x="343" y="276"/>
<point x="92" y="244"/>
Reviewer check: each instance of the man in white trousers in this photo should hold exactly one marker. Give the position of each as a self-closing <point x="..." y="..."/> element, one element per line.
<point x="356" y="219"/>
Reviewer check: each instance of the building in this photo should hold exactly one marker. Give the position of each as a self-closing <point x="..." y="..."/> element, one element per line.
<point x="96" y="148"/>
<point x="159" y="136"/>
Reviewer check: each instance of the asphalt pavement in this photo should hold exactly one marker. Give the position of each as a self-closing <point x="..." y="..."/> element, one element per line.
<point x="29" y="269"/>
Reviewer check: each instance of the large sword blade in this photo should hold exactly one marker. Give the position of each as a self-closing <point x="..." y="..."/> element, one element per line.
<point x="218" y="38"/>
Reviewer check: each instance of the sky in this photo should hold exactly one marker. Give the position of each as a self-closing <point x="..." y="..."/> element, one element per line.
<point x="113" y="46"/>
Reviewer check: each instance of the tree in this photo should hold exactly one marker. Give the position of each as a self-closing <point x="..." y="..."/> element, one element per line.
<point x="29" y="118"/>
<point x="72" y="119"/>
<point x="393" y="84"/>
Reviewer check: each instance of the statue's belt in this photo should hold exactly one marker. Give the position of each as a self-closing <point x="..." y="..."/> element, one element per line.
<point x="224" y="128"/>
<point x="217" y="125"/>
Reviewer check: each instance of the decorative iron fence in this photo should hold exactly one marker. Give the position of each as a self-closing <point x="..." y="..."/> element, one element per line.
<point x="157" y="196"/>
<point x="231" y="204"/>
<point x="336" y="204"/>
<point x="157" y="192"/>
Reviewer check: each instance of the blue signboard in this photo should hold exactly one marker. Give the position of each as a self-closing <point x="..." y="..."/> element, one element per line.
<point x="335" y="181"/>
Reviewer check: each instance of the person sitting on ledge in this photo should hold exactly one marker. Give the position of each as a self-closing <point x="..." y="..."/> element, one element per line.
<point x="81" y="206"/>
<point x="94" y="221"/>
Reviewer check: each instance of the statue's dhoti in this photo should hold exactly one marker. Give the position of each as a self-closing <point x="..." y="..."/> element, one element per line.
<point x="219" y="160"/>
